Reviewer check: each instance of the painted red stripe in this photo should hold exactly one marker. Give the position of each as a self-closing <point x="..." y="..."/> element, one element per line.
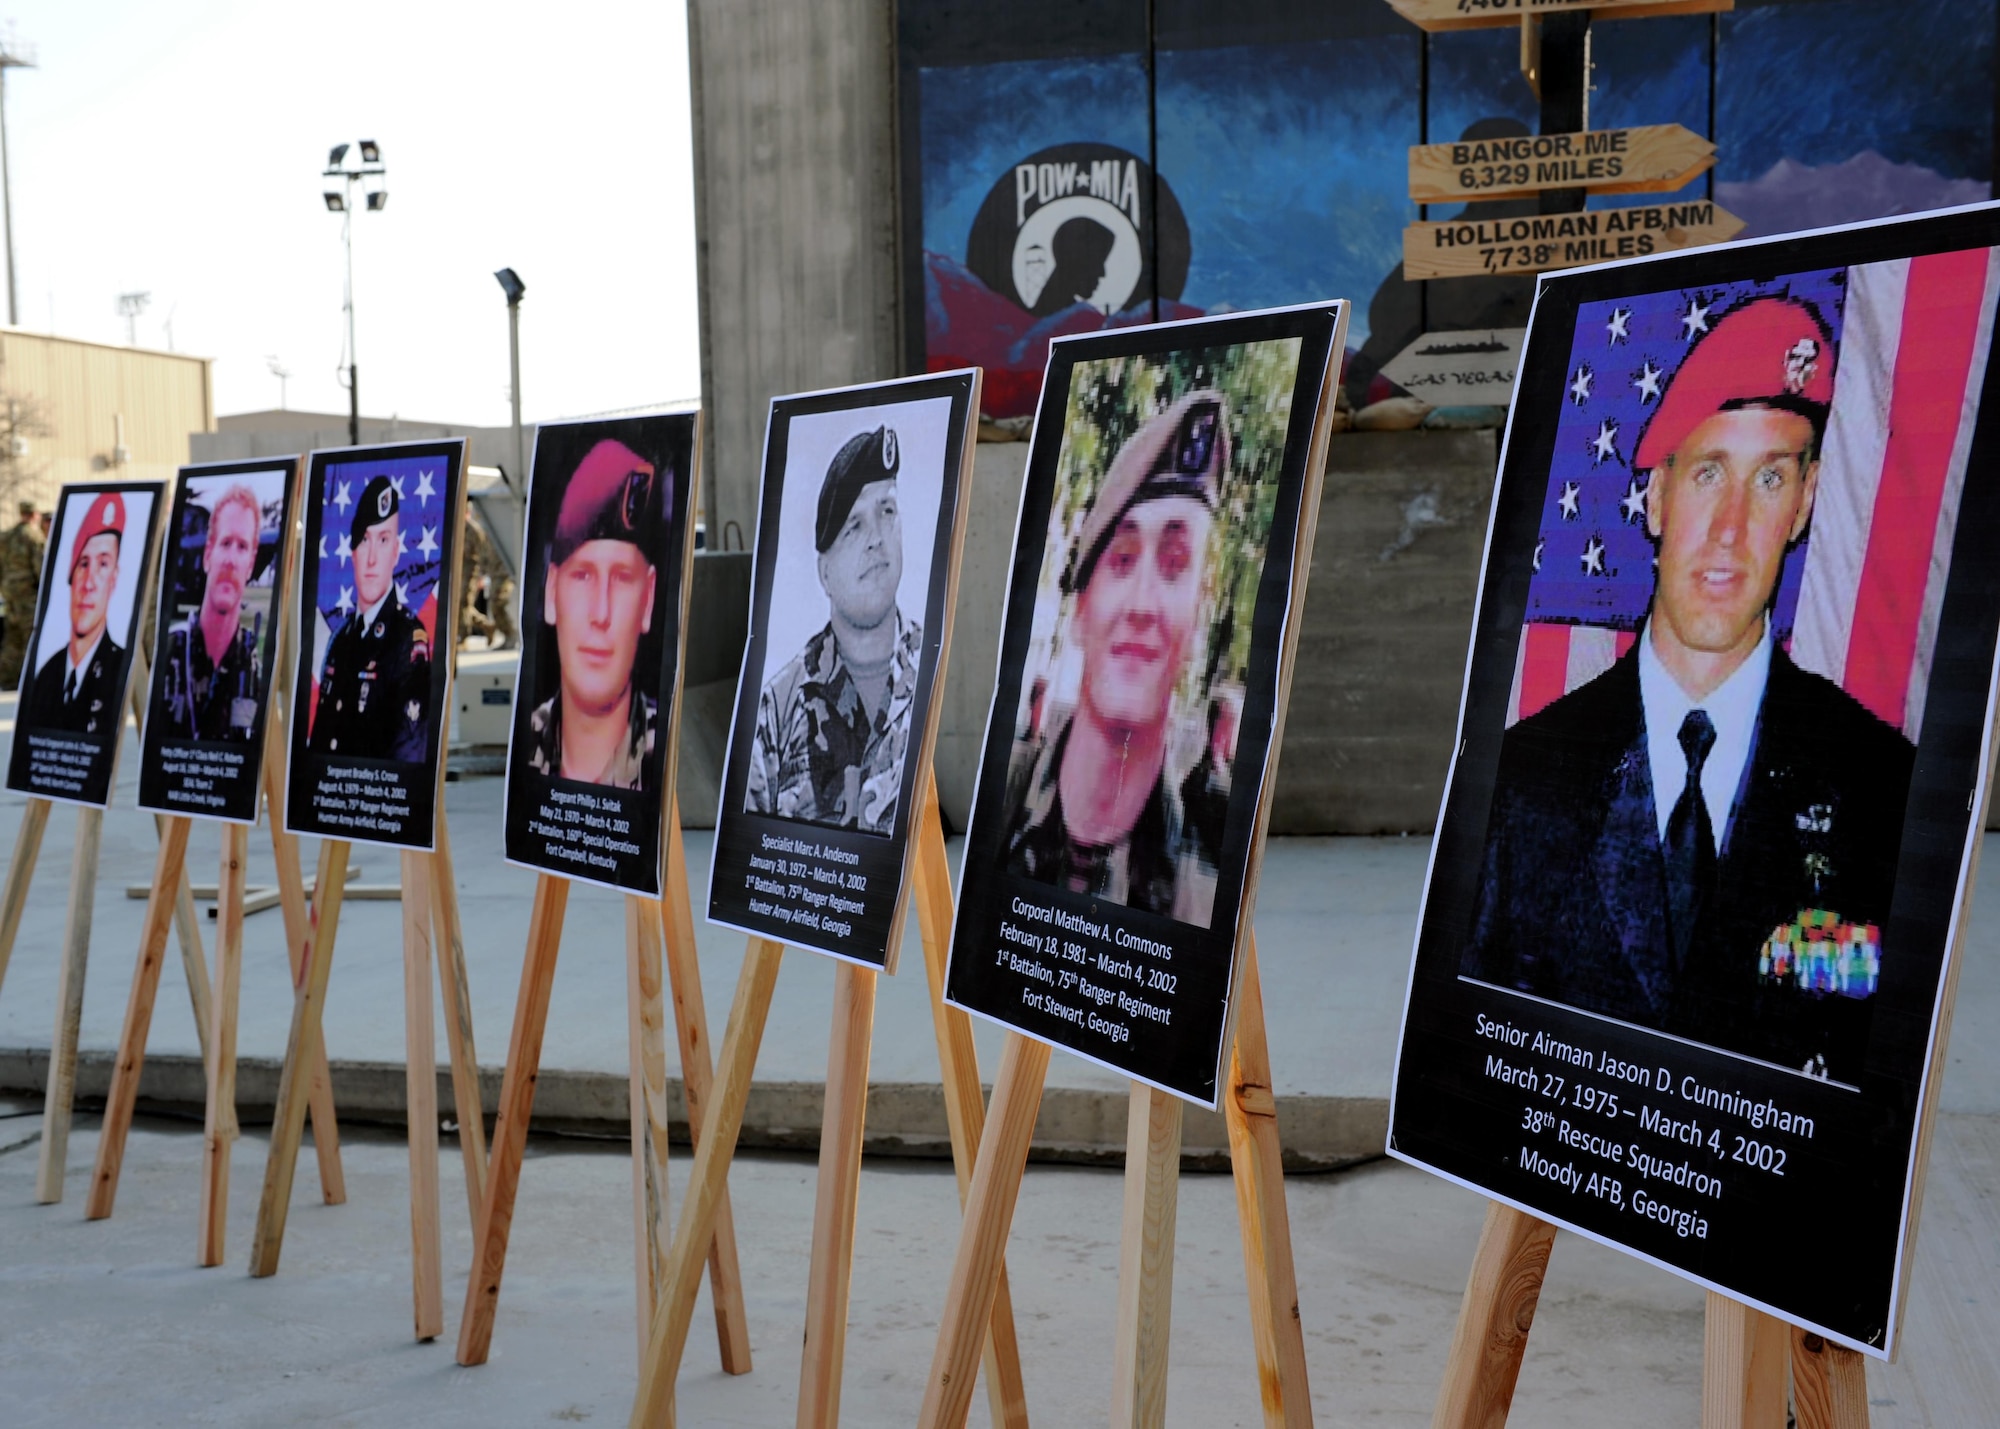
<point x="1544" y="666"/>
<point x="1941" y="308"/>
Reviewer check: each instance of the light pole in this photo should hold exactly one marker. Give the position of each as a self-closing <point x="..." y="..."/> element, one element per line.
<point x="12" y="56"/>
<point x="368" y="172"/>
<point x="511" y="284"/>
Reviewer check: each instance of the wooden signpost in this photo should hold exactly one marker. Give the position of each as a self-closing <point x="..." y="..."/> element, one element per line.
<point x="1437" y="15"/>
<point x="1470" y="248"/>
<point x="840" y="1156"/>
<point x="1652" y="158"/>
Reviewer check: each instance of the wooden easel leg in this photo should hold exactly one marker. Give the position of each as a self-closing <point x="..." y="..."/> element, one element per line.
<point x="1829" y="1384"/>
<point x="420" y="1076"/>
<point x="982" y="1239"/>
<point x="194" y="961"/>
<point x="964" y="1102"/>
<point x="61" y="1093"/>
<point x="842" y="1123"/>
<point x="645" y="999"/>
<point x="1146" y="1259"/>
<point x="1251" y="1111"/>
<point x="1494" y="1319"/>
<point x="457" y="996"/>
<point x="169" y="875"/>
<point x="20" y="874"/>
<point x="510" y="1128"/>
<point x="725" y="1275"/>
<point x="660" y="1365"/>
<point x="302" y="1054"/>
<point x="298" y="938"/>
<point x="219" y="1126"/>
<point x="1744" y="1359"/>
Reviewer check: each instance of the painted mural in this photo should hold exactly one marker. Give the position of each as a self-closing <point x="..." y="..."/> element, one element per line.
<point x="1208" y="163"/>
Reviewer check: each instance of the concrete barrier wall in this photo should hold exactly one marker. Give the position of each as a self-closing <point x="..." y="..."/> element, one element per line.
<point x="1381" y="647"/>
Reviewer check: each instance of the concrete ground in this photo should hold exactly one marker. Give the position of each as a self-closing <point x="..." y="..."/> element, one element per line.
<point x="111" y="1322"/>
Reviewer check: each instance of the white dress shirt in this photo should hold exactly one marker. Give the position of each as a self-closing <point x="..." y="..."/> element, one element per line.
<point x="1732" y="708"/>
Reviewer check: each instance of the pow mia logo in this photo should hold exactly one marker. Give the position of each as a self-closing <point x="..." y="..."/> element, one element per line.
<point x="1075" y="224"/>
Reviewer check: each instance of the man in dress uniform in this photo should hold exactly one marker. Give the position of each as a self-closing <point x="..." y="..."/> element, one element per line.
<point x="77" y="688"/>
<point x="213" y="680"/>
<point x="1091" y="805"/>
<point x="833" y="725"/>
<point x="1656" y="832"/>
<point x="20" y="580"/>
<point x="598" y="727"/>
<point x="375" y="686"/>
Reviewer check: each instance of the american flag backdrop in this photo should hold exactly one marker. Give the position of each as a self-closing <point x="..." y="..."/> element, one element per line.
<point x="420" y="487"/>
<point x="1858" y="600"/>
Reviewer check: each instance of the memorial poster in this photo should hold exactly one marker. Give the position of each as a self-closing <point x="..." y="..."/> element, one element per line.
<point x="1164" y="538"/>
<point x="1685" y="953"/>
<point x="370" y="705"/>
<point x="604" y="600"/>
<point x="858" y="530"/>
<point x="215" y="640"/>
<point x="72" y="711"/>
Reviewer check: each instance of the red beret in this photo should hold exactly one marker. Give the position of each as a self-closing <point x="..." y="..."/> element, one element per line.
<point x="1773" y="351"/>
<point x="609" y="497"/>
<point x="107" y="513"/>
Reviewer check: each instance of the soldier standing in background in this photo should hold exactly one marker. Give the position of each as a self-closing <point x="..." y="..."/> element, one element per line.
<point x="21" y="551"/>
<point x="482" y="558"/>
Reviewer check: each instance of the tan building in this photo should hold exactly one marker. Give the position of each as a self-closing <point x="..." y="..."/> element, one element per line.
<point x="72" y="410"/>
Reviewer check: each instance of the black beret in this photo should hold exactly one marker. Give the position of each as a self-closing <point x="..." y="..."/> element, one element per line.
<point x="864" y="459"/>
<point x="377" y="504"/>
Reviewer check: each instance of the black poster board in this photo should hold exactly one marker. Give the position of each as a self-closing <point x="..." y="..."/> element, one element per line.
<point x="858" y="531"/>
<point x="94" y="583"/>
<point x="223" y="585"/>
<point x="1161" y="554"/>
<point x="1751" y="488"/>
<point x="604" y="587"/>
<point x="376" y="628"/>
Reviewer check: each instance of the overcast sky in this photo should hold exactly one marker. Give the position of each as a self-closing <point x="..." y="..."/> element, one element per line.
<point x="177" y="149"/>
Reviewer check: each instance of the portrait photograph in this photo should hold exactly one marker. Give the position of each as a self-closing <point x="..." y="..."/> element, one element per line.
<point x="73" y="683"/>
<point x="1122" y="787"/>
<point x="604" y="588"/>
<point x="215" y="642"/>
<point x="369" y="707"/>
<point x="856" y="539"/>
<point x="1721" y="759"/>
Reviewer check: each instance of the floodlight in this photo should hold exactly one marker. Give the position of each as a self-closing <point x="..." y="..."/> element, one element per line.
<point x="511" y="285"/>
<point x="371" y="152"/>
<point x="335" y="203"/>
<point x="333" y="158"/>
<point x="378" y="200"/>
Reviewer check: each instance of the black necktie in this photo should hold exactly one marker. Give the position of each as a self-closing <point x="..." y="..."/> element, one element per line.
<point x="1690" y="839"/>
<point x="69" y="688"/>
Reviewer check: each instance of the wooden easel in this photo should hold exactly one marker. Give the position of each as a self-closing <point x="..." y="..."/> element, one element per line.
<point x="841" y="1131"/>
<point x="644" y="935"/>
<point x="60" y="1093"/>
<point x="218" y="1029"/>
<point x="1145" y="1272"/>
<point x="1745" y="1353"/>
<point x="429" y="895"/>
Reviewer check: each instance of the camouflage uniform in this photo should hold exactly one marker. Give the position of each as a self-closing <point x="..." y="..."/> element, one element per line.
<point x="481" y="557"/>
<point x="200" y="700"/>
<point x="21" y="551"/>
<point x="816" y="756"/>
<point x="1157" y="866"/>
<point x="627" y="769"/>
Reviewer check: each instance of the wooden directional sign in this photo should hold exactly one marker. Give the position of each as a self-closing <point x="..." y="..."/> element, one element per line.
<point x="1459" y="369"/>
<point x="1530" y="243"/>
<point x="1653" y="158"/>
<point x="1473" y="14"/>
